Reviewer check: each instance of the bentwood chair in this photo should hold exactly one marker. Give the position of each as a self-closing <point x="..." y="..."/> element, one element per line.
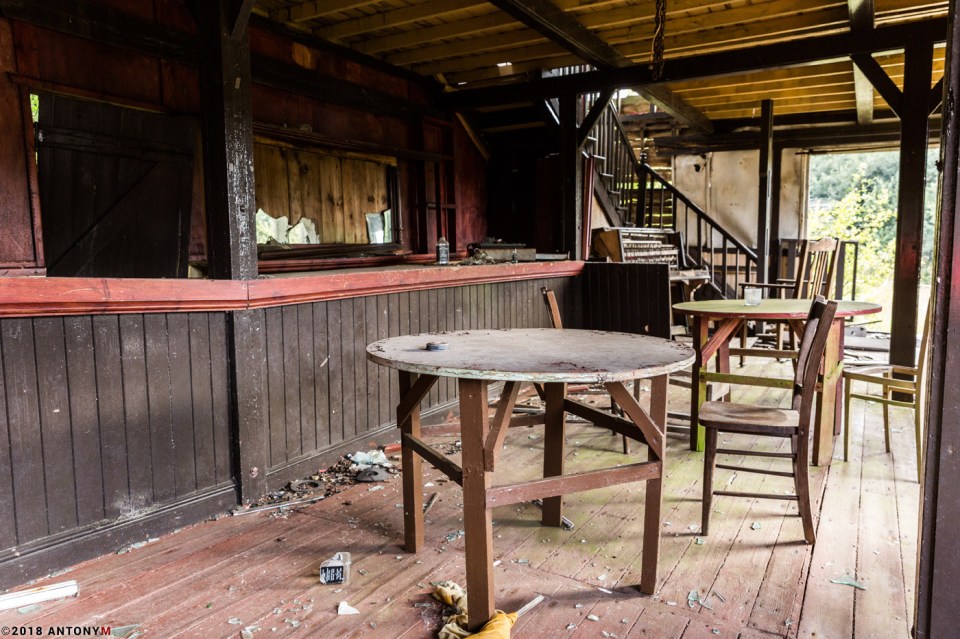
<point x="883" y="375"/>
<point x="814" y="275"/>
<point x="792" y="423"/>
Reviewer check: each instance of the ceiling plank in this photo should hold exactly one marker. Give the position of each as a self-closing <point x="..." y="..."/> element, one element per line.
<point x="394" y="18"/>
<point x="316" y="9"/>
<point x="870" y="68"/>
<point x="821" y="48"/>
<point x="546" y="18"/>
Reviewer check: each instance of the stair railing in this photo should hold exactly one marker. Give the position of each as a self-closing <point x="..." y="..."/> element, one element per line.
<point x="644" y="198"/>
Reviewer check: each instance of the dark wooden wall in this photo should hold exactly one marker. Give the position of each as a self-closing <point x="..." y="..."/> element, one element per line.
<point x="114" y="428"/>
<point x="632" y="298"/>
<point x="344" y="399"/>
<point x="105" y="419"/>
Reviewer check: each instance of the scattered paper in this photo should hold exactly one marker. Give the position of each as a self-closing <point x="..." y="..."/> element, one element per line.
<point x="346" y="609"/>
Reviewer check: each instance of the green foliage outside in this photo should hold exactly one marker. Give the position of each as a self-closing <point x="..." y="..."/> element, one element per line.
<point x="35" y="106"/>
<point x="853" y="196"/>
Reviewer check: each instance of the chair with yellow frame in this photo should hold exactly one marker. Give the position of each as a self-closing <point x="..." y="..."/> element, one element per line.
<point x="884" y="376"/>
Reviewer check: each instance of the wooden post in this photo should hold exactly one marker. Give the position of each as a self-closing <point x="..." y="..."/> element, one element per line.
<point x="763" y="205"/>
<point x="571" y="177"/>
<point x="918" y="62"/>
<point x="937" y="614"/>
<point x="226" y="125"/>
<point x="773" y="255"/>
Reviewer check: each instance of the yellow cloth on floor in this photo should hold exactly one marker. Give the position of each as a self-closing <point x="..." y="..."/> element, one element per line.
<point x="454" y="595"/>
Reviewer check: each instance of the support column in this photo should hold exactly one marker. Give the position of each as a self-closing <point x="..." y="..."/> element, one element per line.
<point x="764" y="205"/>
<point x="227" y="128"/>
<point x="227" y="125"/>
<point x="571" y="176"/>
<point x="775" y="185"/>
<point x="937" y="614"/>
<point x="918" y="62"/>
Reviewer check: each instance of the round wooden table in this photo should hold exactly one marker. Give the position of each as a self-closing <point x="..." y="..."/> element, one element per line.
<point x="553" y="358"/>
<point x="728" y="316"/>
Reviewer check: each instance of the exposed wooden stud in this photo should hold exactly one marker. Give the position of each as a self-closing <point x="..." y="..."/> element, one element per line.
<point x="571" y="216"/>
<point x="765" y="191"/>
<point x="914" y="125"/>
<point x="599" y="106"/>
<point x="880" y="80"/>
<point x="936" y="97"/>
<point x="863" y="89"/>
<point x="861" y="15"/>
<point x="240" y="18"/>
<point x="227" y="125"/>
<point x="315" y="9"/>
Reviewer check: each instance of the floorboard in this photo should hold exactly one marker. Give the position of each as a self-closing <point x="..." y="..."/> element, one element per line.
<point x="751" y="577"/>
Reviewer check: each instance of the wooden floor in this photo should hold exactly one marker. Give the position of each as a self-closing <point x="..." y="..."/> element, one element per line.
<point x="752" y="577"/>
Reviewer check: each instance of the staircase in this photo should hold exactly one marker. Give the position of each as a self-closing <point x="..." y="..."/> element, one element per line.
<point x="641" y="196"/>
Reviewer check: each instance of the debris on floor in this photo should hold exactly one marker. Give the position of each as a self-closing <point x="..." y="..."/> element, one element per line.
<point x="452" y="595"/>
<point x="361" y="466"/>
<point x="336" y="570"/>
<point x="346" y="609"/>
<point x="847" y="580"/>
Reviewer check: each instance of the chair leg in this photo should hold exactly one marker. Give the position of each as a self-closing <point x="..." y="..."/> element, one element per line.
<point x="802" y="482"/>
<point x="743" y="343"/>
<point x="886" y="416"/>
<point x="709" y="463"/>
<point x="847" y="383"/>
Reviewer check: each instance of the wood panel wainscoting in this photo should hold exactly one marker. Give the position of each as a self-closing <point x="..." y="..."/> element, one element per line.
<point x="117" y="412"/>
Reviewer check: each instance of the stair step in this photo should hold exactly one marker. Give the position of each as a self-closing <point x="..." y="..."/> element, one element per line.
<point x="602" y="158"/>
<point x="606" y="175"/>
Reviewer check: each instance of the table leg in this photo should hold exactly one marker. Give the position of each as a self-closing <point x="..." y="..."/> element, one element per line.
<point x="477" y="518"/>
<point x="827" y="406"/>
<point x="653" y="502"/>
<point x="411" y="466"/>
<point x="554" y="450"/>
<point x="698" y="386"/>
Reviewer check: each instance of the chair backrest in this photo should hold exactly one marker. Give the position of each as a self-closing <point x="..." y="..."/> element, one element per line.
<point x="551" y="301"/>
<point x="816" y="268"/>
<point x="925" y="341"/>
<point x="812" y="345"/>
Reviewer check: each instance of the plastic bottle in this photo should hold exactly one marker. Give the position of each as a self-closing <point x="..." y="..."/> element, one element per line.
<point x="443" y="251"/>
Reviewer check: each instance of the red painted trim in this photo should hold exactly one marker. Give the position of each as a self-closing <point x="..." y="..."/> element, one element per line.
<point x="339" y="285"/>
<point x="43" y="296"/>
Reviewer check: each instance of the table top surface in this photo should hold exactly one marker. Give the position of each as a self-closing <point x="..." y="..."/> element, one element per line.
<point x="769" y="309"/>
<point x="535" y="355"/>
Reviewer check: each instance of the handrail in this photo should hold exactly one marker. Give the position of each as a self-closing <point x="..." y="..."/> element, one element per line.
<point x="633" y="184"/>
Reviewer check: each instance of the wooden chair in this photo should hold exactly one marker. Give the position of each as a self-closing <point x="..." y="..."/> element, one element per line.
<point x="557" y="322"/>
<point x="883" y="376"/>
<point x="815" y="275"/>
<point x="792" y="423"/>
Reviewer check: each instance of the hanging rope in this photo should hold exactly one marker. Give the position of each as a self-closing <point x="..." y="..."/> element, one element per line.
<point x="660" y="23"/>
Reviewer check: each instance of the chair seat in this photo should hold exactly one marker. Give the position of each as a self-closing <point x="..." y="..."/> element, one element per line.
<point x="746" y="418"/>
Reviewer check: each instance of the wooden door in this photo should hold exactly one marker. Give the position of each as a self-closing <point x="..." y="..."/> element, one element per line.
<point x="115" y="189"/>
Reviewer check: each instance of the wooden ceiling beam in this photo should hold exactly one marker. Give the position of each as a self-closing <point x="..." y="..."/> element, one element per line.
<point x="549" y="20"/>
<point x="877" y="77"/>
<point x="316" y="9"/>
<point x="802" y="51"/>
<point x="688" y="43"/>
<point x="862" y="18"/>
<point x="394" y="18"/>
<point x="240" y="17"/>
